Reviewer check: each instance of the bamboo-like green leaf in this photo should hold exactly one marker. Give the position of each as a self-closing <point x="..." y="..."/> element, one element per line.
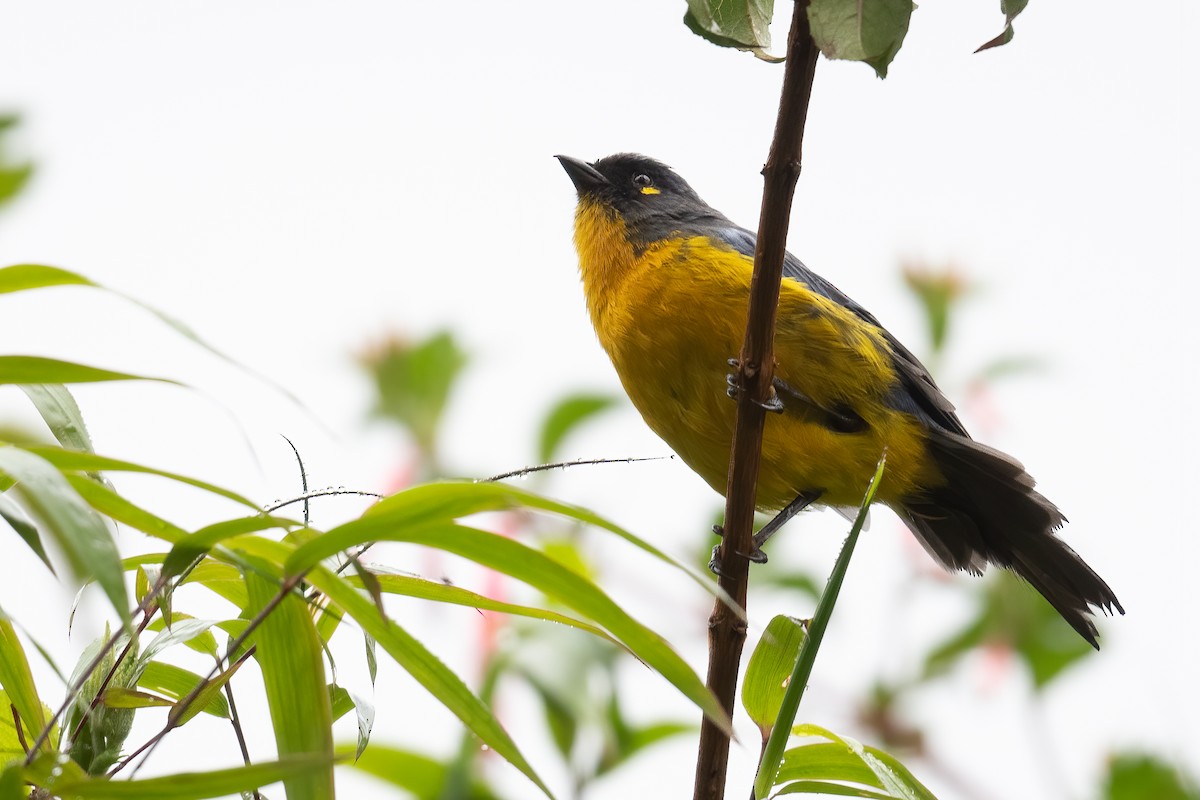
<point x="519" y="561"/>
<point x="289" y="655"/>
<point x="183" y="631"/>
<point x="36" y="369"/>
<point x="12" y="784"/>
<point x="411" y="586"/>
<point x="425" y="667"/>
<point x="67" y="460"/>
<point x="17" y="679"/>
<point x="446" y="500"/>
<point x="825" y="788"/>
<point x="61" y="512"/>
<point x="199" y="785"/>
<point x="773" y="748"/>
<point x="416" y="774"/>
<point x="203" y="540"/>
<point x="117" y="508"/>
<point x="120" y="697"/>
<point x="37" y="276"/>
<point x="11" y="513"/>
<point x="770" y="669"/>
<point x="61" y="414"/>
<point x="844" y="759"/>
<point x="182" y="714"/>
<point x="201" y="642"/>
<point x="176" y="683"/>
<point x="21" y="277"/>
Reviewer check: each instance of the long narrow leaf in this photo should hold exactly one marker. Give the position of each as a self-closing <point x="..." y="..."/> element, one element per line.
<point x="777" y="741"/>
<point x="61" y="414"/>
<point x="11" y="513"/>
<point x="91" y="462"/>
<point x="425" y="667"/>
<point x="289" y="655"/>
<point x="444" y="501"/>
<point x="61" y="512"/>
<point x="196" y="785"/>
<point x="17" y="679"/>
<point x="176" y="683"/>
<point x="22" y="277"/>
<point x="117" y="508"/>
<point x="36" y="369"/>
<point x="519" y="561"/>
<point x="442" y="593"/>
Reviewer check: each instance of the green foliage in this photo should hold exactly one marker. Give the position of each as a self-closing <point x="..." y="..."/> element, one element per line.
<point x="1014" y="617"/>
<point x="13" y="176"/>
<point x="96" y="731"/>
<point x="842" y="766"/>
<point x="770" y="769"/>
<point x="741" y="24"/>
<point x="770" y="669"/>
<point x="413" y="382"/>
<point x="568" y="414"/>
<point x="860" y="30"/>
<point x="1011" y="9"/>
<point x="1136" y="776"/>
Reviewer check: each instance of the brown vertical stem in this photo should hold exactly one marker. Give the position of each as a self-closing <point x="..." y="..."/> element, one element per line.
<point x="726" y="629"/>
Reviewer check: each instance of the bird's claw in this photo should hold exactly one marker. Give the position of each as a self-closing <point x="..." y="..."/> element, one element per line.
<point x="772" y="403"/>
<point x="756" y="556"/>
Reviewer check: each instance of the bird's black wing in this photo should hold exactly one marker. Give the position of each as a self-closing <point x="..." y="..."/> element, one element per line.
<point x="918" y="393"/>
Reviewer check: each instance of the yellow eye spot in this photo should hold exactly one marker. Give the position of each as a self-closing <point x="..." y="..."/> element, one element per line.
<point x="650" y="190"/>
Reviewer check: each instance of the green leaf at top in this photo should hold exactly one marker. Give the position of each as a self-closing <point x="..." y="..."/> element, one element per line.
<point x="566" y="415"/>
<point x="860" y="30"/>
<point x="741" y="24"/>
<point x="60" y="511"/>
<point x="35" y="369"/>
<point x="1011" y="9"/>
<point x="21" y="277"/>
<point x="769" y="670"/>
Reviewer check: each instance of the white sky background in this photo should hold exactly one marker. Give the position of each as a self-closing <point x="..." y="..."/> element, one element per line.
<point x="294" y="179"/>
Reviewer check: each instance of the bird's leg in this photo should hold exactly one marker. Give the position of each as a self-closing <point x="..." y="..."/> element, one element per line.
<point x="801" y="502"/>
<point x="773" y="403"/>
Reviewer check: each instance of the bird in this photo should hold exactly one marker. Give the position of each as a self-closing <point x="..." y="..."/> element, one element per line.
<point x="666" y="279"/>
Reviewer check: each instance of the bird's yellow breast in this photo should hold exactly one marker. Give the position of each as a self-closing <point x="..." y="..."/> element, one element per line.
<point x="673" y="314"/>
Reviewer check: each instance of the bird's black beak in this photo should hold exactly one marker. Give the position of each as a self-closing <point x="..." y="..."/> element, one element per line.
<point x="585" y="177"/>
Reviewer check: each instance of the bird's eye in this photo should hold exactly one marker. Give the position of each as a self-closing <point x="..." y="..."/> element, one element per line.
<point x="642" y="181"/>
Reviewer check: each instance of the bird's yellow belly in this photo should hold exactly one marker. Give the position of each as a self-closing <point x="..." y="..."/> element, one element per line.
<point x="672" y="361"/>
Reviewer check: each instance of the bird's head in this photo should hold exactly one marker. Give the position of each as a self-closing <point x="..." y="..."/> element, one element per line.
<point x="646" y="195"/>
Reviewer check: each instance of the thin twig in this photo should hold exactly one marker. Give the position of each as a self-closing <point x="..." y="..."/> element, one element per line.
<point x="304" y="498"/>
<point x="16" y="715"/>
<point x="523" y="471"/>
<point x="303" y="477"/>
<point x="236" y="722"/>
<point x="726" y="626"/>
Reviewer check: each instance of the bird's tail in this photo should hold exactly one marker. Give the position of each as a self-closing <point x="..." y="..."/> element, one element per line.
<point x="989" y="513"/>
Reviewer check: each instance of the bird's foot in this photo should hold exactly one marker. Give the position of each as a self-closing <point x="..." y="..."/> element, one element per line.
<point x="772" y="403"/>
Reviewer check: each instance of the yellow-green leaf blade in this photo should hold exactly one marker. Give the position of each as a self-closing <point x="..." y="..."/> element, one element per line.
<point x="289" y="655"/>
